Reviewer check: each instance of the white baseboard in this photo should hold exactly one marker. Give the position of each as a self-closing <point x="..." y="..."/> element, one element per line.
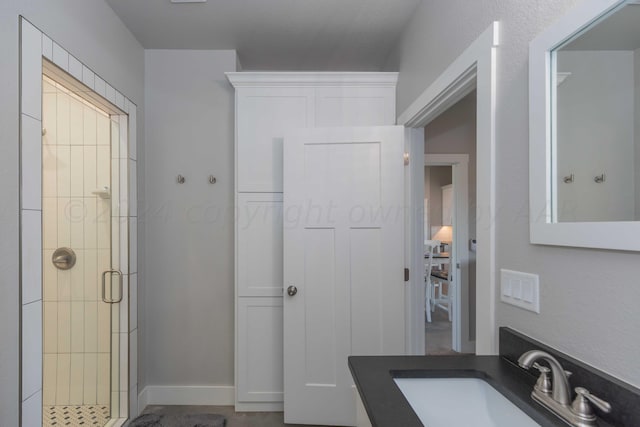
<point x="259" y="407"/>
<point x="186" y="395"/>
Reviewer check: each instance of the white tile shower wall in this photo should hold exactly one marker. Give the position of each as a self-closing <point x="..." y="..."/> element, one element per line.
<point x="32" y="347"/>
<point x="88" y="76"/>
<point x="133" y="353"/>
<point x="76" y="326"/>
<point x="35" y="45"/>
<point x="133" y="147"/>
<point x="31" y="70"/>
<point x="31" y="165"/>
<point x="47" y="48"/>
<point x="123" y="378"/>
<point x="133" y="185"/>
<point x="32" y="411"/>
<point x="110" y="93"/>
<point x="123" y="165"/>
<point x="133" y="265"/>
<point x="75" y="68"/>
<point x="31" y="228"/>
<point x="31" y="255"/>
<point x="60" y="57"/>
<point x="100" y="87"/>
<point x="122" y="315"/>
<point x="133" y="303"/>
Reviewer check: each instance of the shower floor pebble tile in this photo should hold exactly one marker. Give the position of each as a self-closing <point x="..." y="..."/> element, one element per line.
<point x="75" y="416"/>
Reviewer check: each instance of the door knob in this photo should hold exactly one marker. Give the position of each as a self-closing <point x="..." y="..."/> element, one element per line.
<point x="292" y="290"/>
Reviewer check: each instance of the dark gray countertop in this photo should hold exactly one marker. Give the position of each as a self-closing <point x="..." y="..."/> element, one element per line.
<point x="387" y="407"/>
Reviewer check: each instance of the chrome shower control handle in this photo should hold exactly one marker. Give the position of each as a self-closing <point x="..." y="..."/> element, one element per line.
<point x="581" y="404"/>
<point x="63" y="258"/>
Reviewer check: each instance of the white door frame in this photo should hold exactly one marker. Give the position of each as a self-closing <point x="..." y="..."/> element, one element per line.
<point x="460" y="178"/>
<point x="475" y="68"/>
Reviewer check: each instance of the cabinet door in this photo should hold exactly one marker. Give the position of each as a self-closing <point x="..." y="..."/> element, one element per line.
<point x="260" y="369"/>
<point x="259" y="228"/>
<point x="263" y="114"/>
<point x="355" y="106"/>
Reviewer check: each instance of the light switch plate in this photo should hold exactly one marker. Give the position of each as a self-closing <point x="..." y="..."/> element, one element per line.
<point x="520" y="289"/>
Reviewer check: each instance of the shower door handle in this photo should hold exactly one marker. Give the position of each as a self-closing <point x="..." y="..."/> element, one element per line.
<point x="104" y="292"/>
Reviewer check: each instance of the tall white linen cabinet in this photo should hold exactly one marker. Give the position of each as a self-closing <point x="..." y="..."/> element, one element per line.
<point x="267" y="104"/>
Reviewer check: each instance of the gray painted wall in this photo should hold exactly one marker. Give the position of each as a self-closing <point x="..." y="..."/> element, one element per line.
<point x="189" y="262"/>
<point x="454" y="132"/>
<point x="90" y="31"/>
<point x="636" y="136"/>
<point x="589" y="298"/>
<point x="435" y="178"/>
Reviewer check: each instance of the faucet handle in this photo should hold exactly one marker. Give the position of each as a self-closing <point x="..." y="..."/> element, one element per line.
<point x="544" y="382"/>
<point x="541" y="368"/>
<point x="581" y="404"/>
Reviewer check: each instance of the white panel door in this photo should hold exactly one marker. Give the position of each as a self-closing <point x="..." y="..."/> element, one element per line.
<point x="343" y="253"/>
<point x="265" y="114"/>
<point x="259" y="228"/>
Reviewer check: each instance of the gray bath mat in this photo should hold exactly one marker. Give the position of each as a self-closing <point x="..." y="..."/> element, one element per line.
<point x="179" y="420"/>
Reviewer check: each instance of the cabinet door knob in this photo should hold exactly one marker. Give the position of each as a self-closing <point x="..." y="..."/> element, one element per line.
<point x="292" y="290"/>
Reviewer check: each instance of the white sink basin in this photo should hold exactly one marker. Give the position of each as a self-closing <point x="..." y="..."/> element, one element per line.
<point x="461" y="402"/>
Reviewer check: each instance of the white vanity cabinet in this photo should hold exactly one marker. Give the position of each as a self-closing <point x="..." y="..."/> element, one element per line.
<point x="259" y="245"/>
<point x="259" y="371"/>
<point x="267" y="104"/>
<point x="262" y="115"/>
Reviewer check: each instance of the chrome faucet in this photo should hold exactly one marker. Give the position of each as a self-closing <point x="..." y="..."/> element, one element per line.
<point x="559" y="378"/>
<point x="557" y="397"/>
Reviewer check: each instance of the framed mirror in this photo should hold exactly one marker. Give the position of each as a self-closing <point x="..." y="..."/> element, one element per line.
<point x="584" y="142"/>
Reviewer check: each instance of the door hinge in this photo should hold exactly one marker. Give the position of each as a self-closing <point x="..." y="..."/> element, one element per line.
<point x="406" y="158"/>
<point x="406" y="274"/>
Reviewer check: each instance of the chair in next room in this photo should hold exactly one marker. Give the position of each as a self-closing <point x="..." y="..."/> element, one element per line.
<point x="442" y="291"/>
<point x="429" y="247"/>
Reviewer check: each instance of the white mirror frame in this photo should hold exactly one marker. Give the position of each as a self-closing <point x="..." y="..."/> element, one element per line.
<point x="621" y="235"/>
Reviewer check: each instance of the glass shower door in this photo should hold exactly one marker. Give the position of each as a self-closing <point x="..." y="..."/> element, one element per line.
<point x="82" y="283"/>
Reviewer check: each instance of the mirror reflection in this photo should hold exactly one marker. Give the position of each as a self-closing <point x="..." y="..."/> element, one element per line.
<point x="596" y="121"/>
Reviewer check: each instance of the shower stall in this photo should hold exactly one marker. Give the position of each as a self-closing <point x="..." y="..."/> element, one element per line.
<point x="84" y="241"/>
<point x="77" y="246"/>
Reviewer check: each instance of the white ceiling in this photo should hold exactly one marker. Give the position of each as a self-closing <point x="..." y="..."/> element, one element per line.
<point x="339" y="35"/>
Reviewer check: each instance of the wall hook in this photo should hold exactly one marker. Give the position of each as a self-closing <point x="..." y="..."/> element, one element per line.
<point x="600" y="178"/>
<point x="212" y="179"/>
<point x="180" y="179"/>
<point x="568" y="179"/>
